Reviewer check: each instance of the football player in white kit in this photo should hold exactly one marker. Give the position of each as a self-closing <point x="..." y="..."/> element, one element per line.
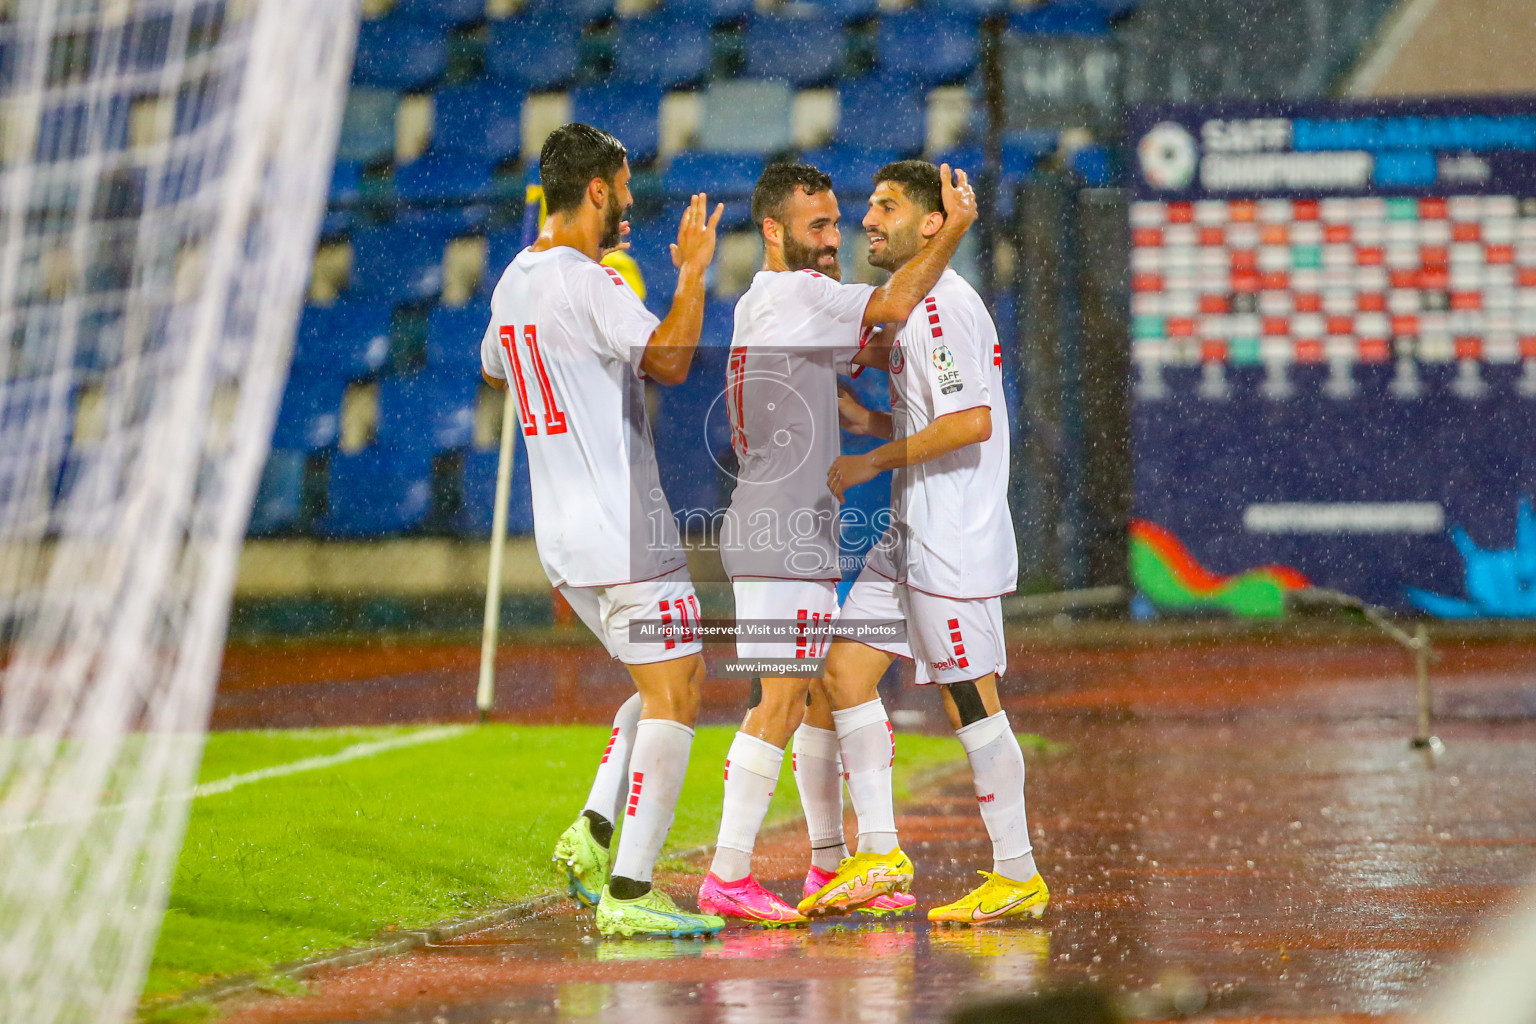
<point x="575" y="342"/>
<point x="942" y="567"/>
<point x="795" y="326"/>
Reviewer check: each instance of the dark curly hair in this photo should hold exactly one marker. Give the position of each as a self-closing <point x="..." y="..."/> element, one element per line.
<point x="778" y="183"/>
<point x="572" y="156"/>
<point x="919" y="180"/>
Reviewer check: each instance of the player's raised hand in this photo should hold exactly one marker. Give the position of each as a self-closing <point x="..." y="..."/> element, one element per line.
<point x="695" y="245"/>
<point x="959" y="198"/>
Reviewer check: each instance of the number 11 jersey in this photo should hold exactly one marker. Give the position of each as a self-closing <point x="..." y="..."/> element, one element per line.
<point x="568" y="336"/>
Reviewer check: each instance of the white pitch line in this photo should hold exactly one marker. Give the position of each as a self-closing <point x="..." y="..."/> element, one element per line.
<point x="230" y="782"/>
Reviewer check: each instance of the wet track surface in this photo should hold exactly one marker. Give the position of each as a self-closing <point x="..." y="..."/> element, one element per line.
<point x="1241" y="835"/>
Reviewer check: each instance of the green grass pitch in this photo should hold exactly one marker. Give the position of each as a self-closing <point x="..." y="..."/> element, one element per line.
<point x="293" y="867"/>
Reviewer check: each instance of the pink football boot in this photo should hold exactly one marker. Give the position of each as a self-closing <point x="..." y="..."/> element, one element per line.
<point x="746" y="900"/>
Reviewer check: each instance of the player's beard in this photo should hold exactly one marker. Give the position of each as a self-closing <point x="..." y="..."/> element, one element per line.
<point x="613" y="221"/>
<point x="900" y="246"/>
<point x="808" y="257"/>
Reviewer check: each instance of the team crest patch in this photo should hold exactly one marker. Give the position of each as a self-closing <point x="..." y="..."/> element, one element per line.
<point x="898" y="360"/>
<point x="949" y="377"/>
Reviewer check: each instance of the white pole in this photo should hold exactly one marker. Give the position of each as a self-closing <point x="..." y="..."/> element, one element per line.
<point x="485" y="695"/>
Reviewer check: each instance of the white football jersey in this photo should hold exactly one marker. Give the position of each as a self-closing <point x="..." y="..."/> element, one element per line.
<point x="794" y="331"/>
<point x="953" y="534"/>
<point x="569" y="335"/>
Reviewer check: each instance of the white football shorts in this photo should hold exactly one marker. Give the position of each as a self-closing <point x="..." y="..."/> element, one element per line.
<point x="950" y="639"/>
<point x="668" y="600"/>
<point x="809" y="604"/>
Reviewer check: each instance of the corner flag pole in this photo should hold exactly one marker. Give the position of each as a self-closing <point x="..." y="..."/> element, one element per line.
<point x="485" y="695"/>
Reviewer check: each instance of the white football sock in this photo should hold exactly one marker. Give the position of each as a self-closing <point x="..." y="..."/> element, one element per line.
<point x="751" y="773"/>
<point x="869" y="750"/>
<point x="819" y="776"/>
<point x="656" y="769"/>
<point x="997" y="769"/>
<point x="612" y="780"/>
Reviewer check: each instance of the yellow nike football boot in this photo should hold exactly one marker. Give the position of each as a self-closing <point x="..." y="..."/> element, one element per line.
<point x="995" y="899"/>
<point x="859" y="879"/>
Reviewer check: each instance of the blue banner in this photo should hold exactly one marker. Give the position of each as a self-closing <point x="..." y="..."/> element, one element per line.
<point x="1334" y="333"/>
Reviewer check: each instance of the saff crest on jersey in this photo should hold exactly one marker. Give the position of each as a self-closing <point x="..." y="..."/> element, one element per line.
<point x="949" y="380"/>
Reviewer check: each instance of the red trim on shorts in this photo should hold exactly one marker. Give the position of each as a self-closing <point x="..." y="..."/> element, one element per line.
<point x="929" y="593"/>
<point x="681" y="566"/>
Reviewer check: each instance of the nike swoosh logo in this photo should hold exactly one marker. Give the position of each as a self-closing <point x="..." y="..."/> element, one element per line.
<point x="987" y="913"/>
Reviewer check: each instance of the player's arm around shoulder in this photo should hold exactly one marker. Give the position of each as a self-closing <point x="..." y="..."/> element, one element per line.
<point x="669" y="353"/>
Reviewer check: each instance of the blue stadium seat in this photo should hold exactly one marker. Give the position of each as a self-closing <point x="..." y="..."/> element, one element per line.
<point x="479" y="121"/>
<point x="453" y="338"/>
<point x="722" y="175"/>
<point x="712" y="12"/>
<point x="395" y="54"/>
<point x="501" y="248"/>
<point x="368" y="126"/>
<point x="805" y="50"/>
<point x="347" y="340"/>
<point x="575" y="12"/>
<point x="396" y="264"/>
<point x="440" y="14"/>
<point x="649" y="238"/>
<point x="145" y="42"/>
<point x="310" y="417"/>
<point x="1094" y="166"/>
<point x="445" y="221"/>
<point x="850" y="168"/>
<point x="279" y="503"/>
<point x="719" y="324"/>
<point x="1021" y="152"/>
<point x="661" y="52"/>
<point x="442" y="179"/>
<point x="698" y="427"/>
<point x="378" y="491"/>
<point x="970" y="8"/>
<point x="474" y="518"/>
<point x="883" y="112"/>
<point x="346" y="180"/>
<point x="631" y="112"/>
<point x="539" y="53"/>
<point x="849" y="10"/>
<point x="1062" y="19"/>
<point x="746" y="115"/>
<point x="435" y="410"/>
<point x="932" y="48"/>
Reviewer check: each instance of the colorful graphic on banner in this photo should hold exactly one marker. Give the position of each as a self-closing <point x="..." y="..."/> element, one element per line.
<point x="1500" y="584"/>
<point x="1343" y="297"/>
<point x="1163" y="570"/>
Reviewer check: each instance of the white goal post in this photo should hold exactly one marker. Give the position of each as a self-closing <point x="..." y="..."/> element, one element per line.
<point x="163" y="170"/>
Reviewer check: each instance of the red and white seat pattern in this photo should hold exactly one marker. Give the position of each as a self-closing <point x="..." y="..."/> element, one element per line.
<point x="1338" y="281"/>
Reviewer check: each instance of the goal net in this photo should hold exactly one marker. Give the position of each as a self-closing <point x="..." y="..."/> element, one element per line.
<point x="163" y="168"/>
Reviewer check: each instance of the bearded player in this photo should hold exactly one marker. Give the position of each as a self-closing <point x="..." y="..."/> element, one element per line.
<point x="794" y="327"/>
<point x="942" y="567"/>
<point x="575" y="342"/>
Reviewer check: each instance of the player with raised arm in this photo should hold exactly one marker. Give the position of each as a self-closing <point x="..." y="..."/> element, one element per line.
<point x="574" y="341"/>
<point x="779" y="540"/>
<point x="942" y="567"/>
